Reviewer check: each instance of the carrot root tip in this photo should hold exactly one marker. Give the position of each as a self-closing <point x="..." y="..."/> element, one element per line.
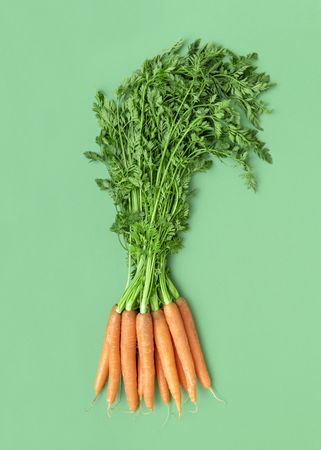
<point x="194" y="411"/>
<point x="167" y="416"/>
<point x="186" y="399"/>
<point x="126" y="411"/>
<point x="215" y="396"/>
<point x="91" y="405"/>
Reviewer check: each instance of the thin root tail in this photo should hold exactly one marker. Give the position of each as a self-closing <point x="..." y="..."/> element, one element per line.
<point x="215" y="396"/>
<point x="167" y="416"/>
<point x="195" y="411"/>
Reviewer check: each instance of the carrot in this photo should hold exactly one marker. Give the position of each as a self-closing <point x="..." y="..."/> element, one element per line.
<point x="198" y="357"/>
<point x="140" y="378"/>
<point x="180" y="371"/>
<point x="145" y="338"/>
<point x="165" y="349"/>
<point x="176" y="326"/>
<point x="161" y="380"/>
<point x="114" y="356"/>
<point x="102" y="371"/>
<point x="150" y="182"/>
<point x="128" y="357"/>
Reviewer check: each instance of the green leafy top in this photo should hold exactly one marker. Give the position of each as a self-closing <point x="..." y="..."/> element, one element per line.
<point x="170" y="119"/>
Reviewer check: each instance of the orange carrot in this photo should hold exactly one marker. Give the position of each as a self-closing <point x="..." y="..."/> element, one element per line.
<point x="165" y="349"/>
<point x="145" y="338"/>
<point x="140" y="378"/>
<point x="198" y="357"/>
<point x="161" y="380"/>
<point x="176" y="326"/>
<point x="180" y="371"/>
<point x="114" y="356"/>
<point x="128" y="357"/>
<point x="102" y="370"/>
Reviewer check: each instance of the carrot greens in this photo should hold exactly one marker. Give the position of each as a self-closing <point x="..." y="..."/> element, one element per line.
<point x="173" y="117"/>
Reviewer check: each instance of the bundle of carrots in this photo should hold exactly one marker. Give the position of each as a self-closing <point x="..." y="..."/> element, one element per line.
<point x="169" y="120"/>
<point x="138" y="346"/>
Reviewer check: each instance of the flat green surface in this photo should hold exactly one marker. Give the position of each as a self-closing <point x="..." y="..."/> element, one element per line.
<point x="251" y="262"/>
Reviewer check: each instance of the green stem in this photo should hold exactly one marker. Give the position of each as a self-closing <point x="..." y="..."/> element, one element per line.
<point x="173" y="128"/>
<point x="148" y="285"/>
<point x="166" y="296"/>
<point x="172" y="289"/>
<point x="129" y="296"/>
<point x="154" y="300"/>
<point x="129" y="266"/>
<point x="168" y="165"/>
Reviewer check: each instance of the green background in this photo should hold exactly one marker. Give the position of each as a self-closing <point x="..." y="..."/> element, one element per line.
<point x="251" y="262"/>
